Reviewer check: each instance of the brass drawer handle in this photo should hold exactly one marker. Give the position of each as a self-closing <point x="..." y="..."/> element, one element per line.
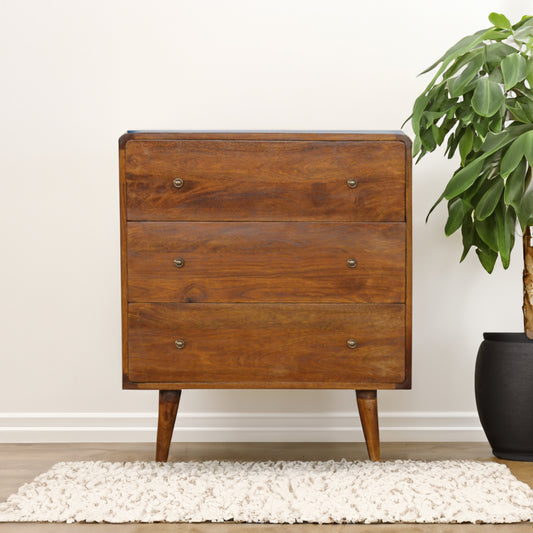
<point x="352" y="343"/>
<point x="179" y="262"/>
<point x="180" y="344"/>
<point x="177" y="182"/>
<point x="352" y="263"/>
<point x="352" y="183"/>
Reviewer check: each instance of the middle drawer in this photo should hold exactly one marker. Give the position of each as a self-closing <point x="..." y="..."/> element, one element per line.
<point x="266" y="262"/>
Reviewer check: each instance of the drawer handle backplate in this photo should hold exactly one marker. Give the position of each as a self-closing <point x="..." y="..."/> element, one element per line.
<point x="352" y="343"/>
<point x="177" y="182"/>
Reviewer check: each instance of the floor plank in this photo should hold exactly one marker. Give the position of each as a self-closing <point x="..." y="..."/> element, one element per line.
<point x="20" y="463"/>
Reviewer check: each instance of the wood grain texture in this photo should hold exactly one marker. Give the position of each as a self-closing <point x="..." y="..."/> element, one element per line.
<point x="168" y="407"/>
<point x="367" y="403"/>
<point x="257" y="217"/>
<point x="264" y="180"/>
<point x="266" y="262"/>
<point x="269" y="343"/>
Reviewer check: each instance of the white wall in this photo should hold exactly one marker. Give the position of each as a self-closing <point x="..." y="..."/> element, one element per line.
<point x="75" y="75"/>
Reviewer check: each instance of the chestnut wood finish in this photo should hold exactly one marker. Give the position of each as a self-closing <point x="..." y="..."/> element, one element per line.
<point x="168" y="408"/>
<point x="266" y="260"/>
<point x="273" y="262"/>
<point x="265" y="343"/>
<point x="242" y="180"/>
<point x="367" y="403"/>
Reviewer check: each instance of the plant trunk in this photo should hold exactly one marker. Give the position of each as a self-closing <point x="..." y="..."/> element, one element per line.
<point x="528" y="283"/>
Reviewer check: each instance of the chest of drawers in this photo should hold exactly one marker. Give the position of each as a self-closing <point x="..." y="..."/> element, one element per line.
<point x="266" y="260"/>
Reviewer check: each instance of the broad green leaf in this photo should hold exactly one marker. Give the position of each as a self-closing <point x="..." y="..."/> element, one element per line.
<point x="510" y="224"/>
<point x="506" y="222"/>
<point x="495" y="52"/>
<point x="514" y="185"/>
<point x="438" y="135"/>
<point x="453" y="143"/>
<point x="472" y="195"/>
<point x="513" y="155"/>
<point x="433" y="116"/>
<point x="459" y="85"/>
<point x="418" y="108"/>
<point x="528" y="147"/>
<point x="464" y="45"/>
<point x="463" y="60"/>
<point x="518" y="112"/>
<point x="524" y="31"/>
<point x="463" y="179"/>
<point x="448" y="125"/>
<point x="456" y="213"/>
<point x="496" y="124"/>
<point x="521" y="147"/>
<point x="500" y="21"/>
<point x="488" y="231"/>
<point x="496" y="76"/>
<point x="465" y="114"/>
<point x="481" y="125"/>
<point x="526" y="19"/>
<point x="529" y="72"/>
<point x="468" y="233"/>
<point x="514" y="70"/>
<point x="416" y="146"/>
<point x="488" y="202"/>
<point x="428" y="141"/>
<point x="525" y="207"/>
<point x="487" y="98"/>
<point x="465" y="144"/>
<point x="527" y="108"/>
<point x="478" y="142"/>
<point x="497" y="141"/>
<point x="487" y="258"/>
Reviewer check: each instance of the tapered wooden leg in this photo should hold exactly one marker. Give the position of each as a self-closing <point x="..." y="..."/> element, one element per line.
<point x="367" y="403"/>
<point x="168" y="407"/>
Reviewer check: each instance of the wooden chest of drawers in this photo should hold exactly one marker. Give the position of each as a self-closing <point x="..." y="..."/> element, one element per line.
<point x="266" y="260"/>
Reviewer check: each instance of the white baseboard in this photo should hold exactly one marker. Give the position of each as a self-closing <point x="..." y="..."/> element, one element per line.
<point x="239" y="427"/>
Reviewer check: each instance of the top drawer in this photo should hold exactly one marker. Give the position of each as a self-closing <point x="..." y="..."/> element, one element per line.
<point x="232" y="180"/>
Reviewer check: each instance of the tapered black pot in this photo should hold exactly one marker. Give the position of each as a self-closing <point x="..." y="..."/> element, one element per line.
<point x="504" y="394"/>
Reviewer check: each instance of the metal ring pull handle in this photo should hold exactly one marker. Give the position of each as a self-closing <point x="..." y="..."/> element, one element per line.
<point x="177" y="182"/>
<point x="352" y="263"/>
<point x="180" y="344"/>
<point x="352" y="183"/>
<point x="179" y="262"/>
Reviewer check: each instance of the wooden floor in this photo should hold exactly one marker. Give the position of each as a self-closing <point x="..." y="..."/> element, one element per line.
<point x="20" y="463"/>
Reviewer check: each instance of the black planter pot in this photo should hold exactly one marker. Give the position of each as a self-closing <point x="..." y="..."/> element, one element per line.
<point x="504" y="394"/>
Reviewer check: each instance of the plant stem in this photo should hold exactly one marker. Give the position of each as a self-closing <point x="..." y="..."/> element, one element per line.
<point x="528" y="283"/>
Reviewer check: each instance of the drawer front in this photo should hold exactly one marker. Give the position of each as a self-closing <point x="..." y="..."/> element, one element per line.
<point x="268" y="261"/>
<point x="265" y="180"/>
<point x="266" y="343"/>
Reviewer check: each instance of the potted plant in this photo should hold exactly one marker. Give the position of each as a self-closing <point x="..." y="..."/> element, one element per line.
<point x="480" y="102"/>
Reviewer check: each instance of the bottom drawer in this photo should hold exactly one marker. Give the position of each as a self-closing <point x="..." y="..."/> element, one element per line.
<point x="266" y="344"/>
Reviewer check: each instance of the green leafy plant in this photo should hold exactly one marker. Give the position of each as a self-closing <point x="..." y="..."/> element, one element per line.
<point x="480" y="103"/>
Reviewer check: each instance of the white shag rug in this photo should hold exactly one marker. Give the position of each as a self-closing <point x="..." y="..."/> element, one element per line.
<point x="273" y="492"/>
